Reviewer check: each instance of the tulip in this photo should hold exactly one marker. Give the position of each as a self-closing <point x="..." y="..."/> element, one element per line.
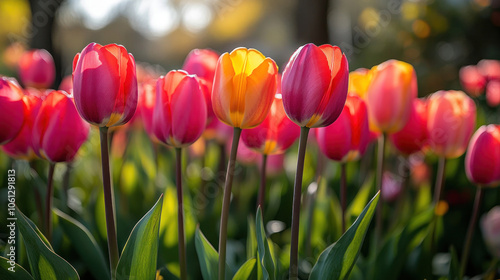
<point x="58" y="130"/>
<point x="105" y="84"/>
<point x="147" y="101"/>
<point x="493" y="93"/>
<point x="37" y="69"/>
<point x="67" y="84"/>
<point x="490" y="225"/>
<point x="12" y="108"/>
<point x="244" y="87"/>
<point x="472" y="80"/>
<point x="451" y="122"/>
<point x="482" y="161"/>
<point x="180" y="112"/>
<point x="359" y="81"/>
<point x="490" y="69"/>
<point x="21" y="146"/>
<point x="202" y="63"/>
<point x="413" y="136"/>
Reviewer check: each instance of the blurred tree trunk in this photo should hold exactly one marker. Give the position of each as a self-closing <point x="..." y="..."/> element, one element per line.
<point x="43" y="14"/>
<point x="312" y="21"/>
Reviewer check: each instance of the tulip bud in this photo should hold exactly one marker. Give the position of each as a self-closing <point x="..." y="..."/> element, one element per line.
<point x="451" y="122"/>
<point x="490" y="226"/>
<point x="180" y="112"/>
<point x="202" y="63"/>
<point x="275" y="134"/>
<point x="58" y="131"/>
<point x="472" y="80"/>
<point x="346" y="139"/>
<point x="244" y="87"/>
<point x="413" y="137"/>
<point x="490" y="69"/>
<point x="314" y="85"/>
<point x="482" y="161"/>
<point x="390" y="94"/>
<point x="105" y="85"/>
<point x="37" y="69"/>
<point x="493" y="93"/>
<point x="12" y="108"/>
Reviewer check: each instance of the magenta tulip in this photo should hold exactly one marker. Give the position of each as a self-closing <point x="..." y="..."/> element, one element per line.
<point x="12" y="108"/>
<point x="37" y="69"/>
<point x="482" y="161"/>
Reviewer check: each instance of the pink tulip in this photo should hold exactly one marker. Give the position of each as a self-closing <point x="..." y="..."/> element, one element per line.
<point x="180" y="113"/>
<point x="413" y="137"/>
<point x="146" y="105"/>
<point x="451" y="122"/>
<point x="490" y="69"/>
<point x="105" y="84"/>
<point x="58" y="131"/>
<point x="472" y="80"/>
<point x="493" y="93"/>
<point x="12" y="108"/>
<point x="482" y="161"/>
<point x="202" y="63"/>
<point x="37" y="69"/>
<point x="314" y="85"/>
<point x="67" y="84"/>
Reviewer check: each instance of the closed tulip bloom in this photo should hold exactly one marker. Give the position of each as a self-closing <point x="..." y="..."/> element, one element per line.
<point x="413" y="137"/>
<point x="58" y="131"/>
<point x="390" y="95"/>
<point x="314" y="85"/>
<point x="346" y="139"/>
<point x="21" y="147"/>
<point x="493" y="93"/>
<point x="451" y="121"/>
<point x="244" y="87"/>
<point x="359" y="80"/>
<point x="202" y="63"/>
<point x="12" y="108"/>
<point x="37" y="69"/>
<point x="490" y="69"/>
<point x="275" y="134"/>
<point x="105" y="85"/>
<point x="146" y="105"/>
<point x="180" y="113"/>
<point x="472" y="80"/>
<point x="482" y="161"/>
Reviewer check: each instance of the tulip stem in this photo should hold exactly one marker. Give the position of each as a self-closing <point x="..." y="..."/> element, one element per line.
<point x="48" y="202"/>
<point x="66" y="179"/>
<point x="380" y="205"/>
<point x="226" y="203"/>
<point x="438" y="191"/>
<point x="470" y="230"/>
<point x="109" y="203"/>
<point x="262" y="188"/>
<point x="297" y="189"/>
<point x="180" y="213"/>
<point x="343" y="193"/>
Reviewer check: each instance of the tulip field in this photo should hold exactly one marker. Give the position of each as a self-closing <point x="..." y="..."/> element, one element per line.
<point x="233" y="168"/>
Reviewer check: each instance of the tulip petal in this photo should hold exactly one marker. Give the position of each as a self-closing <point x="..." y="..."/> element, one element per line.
<point x="223" y="89"/>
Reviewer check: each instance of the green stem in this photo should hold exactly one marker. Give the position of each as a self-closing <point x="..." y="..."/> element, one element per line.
<point x="470" y="230"/>
<point x="380" y="205"/>
<point x="262" y="188"/>
<point x="438" y="191"/>
<point x="297" y="188"/>
<point x="48" y="202"/>
<point x="180" y="214"/>
<point x="226" y="203"/>
<point x="343" y="193"/>
<point x="109" y="203"/>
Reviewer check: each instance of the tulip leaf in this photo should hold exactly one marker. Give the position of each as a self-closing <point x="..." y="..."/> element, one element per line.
<point x="208" y="257"/>
<point x="85" y="245"/>
<point x="337" y="261"/>
<point x="44" y="263"/>
<point x="138" y="259"/>
<point x="266" y="262"/>
<point x="245" y="270"/>
<point x="251" y="239"/>
<point x="15" y="272"/>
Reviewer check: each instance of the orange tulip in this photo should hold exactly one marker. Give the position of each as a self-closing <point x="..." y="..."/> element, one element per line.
<point x="244" y="87"/>
<point x="359" y="80"/>
<point x="451" y="121"/>
<point x="390" y="94"/>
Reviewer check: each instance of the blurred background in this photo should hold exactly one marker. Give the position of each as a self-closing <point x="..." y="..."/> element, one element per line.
<point x="436" y="37"/>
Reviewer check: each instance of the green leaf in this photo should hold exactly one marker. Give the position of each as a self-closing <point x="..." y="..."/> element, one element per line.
<point x="138" y="260"/>
<point x="454" y="273"/>
<point x="337" y="261"/>
<point x="44" y="263"/>
<point x="85" y="245"/>
<point x="251" y="239"/>
<point x="208" y="257"/>
<point x="266" y="262"/>
<point x="19" y="272"/>
<point x="361" y="198"/>
<point x="245" y="270"/>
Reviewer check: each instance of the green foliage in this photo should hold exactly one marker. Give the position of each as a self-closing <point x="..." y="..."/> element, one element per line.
<point x="209" y="258"/>
<point x="266" y="260"/>
<point x="245" y="270"/>
<point x="19" y="272"/>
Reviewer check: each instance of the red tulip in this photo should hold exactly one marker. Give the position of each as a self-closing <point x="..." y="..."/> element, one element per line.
<point x="11" y="106"/>
<point x="493" y="93"/>
<point x="180" y="113"/>
<point x="490" y="69"/>
<point x="472" y="80"/>
<point x="21" y="147"/>
<point x="482" y="161"/>
<point x="275" y="134"/>
<point x="314" y="85"/>
<point x="451" y="121"/>
<point x="346" y="139"/>
<point x="391" y="91"/>
<point x="58" y="131"/>
<point x="37" y="69"/>
<point x="105" y="84"/>
<point x="413" y="137"/>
